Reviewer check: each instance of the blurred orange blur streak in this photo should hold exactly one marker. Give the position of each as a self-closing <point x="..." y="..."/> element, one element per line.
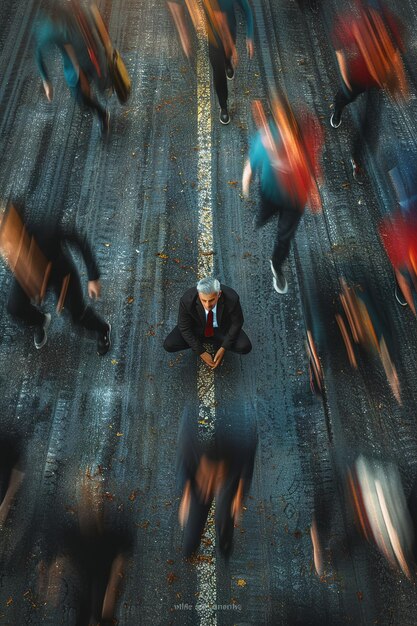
<point x="347" y="303"/>
<point x="358" y="504"/>
<point x="196" y="13"/>
<point x="382" y="58"/>
<point x="390" y="370"/>
<point x="63" y="294"/>
<point x="259" y="114"/>
<point x="23" y="255"/>
<point x="348" y="343"/>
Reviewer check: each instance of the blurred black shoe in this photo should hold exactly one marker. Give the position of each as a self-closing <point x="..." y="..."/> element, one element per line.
<point x="399" y="296"/>
<point x="336" y="119"/>
<point x="230" y="71"/>
<point x="224" y="116"/>
<point x="105" y="123"/>
<point x="40" y="336"/>
<point x="104" y="342"/>
<point x="357" y="172"/>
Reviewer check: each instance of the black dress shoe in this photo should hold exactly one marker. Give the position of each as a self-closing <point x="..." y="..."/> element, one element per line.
<point x="105" y="123"/>
<point x="104" y="342"/>
<point x="230" y="72"/>
<point x="224" y="116"/>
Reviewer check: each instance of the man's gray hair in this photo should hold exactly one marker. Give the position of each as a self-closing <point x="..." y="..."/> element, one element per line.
<point x="208" y="285"/>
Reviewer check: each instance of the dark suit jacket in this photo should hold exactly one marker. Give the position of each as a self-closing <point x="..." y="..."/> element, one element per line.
<point x="192" y="318"/>
<point x="54" y="240"/>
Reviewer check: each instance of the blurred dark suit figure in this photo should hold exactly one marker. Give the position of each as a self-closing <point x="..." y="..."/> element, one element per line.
<point x="64" y="279"/>
<point x="221" y="468"/>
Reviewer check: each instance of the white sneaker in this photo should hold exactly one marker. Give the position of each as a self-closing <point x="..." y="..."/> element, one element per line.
<point x="40" y="337"/>
<point x="279" y="280"/>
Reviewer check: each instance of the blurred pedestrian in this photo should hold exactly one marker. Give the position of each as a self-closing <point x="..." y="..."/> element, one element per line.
<point x="46" y="244"/>
<point x="285" y="154"/>
<point x="222" y="50"/>
<point x="368" y="44"/>
<point x="209" y="313"/>
<point x="221" y="468"/>
<point x="12" y="471"/>
<point x="219" y="19"/>
<point x="58" y="29"/>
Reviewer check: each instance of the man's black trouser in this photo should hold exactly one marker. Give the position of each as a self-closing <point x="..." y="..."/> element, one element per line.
<point x="197" y="519"/>
<point x="85" y="100"/>
<point x="20" y="306"/>
<point x="288" y="220"/>
<point x="219" y="63"/>
<point x="369" y="119"/>
<point x="176" y="342"/>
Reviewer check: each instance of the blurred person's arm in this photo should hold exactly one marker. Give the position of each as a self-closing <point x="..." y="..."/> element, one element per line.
<point x="246" y="178"/>
<point x="341" y="60"/>
<point x="93" y="273"/>
<point x="47" y="85"/>
<point x="179" y="17"/>
<point x="184" y="508"/>
<point x="186" y="330"/>
<point x="237" y="503"/>
<point x="16" y="479"/>
<point x="115" y="578"/>
<point x="406" y="290"/>
<point x="245" y="6"/>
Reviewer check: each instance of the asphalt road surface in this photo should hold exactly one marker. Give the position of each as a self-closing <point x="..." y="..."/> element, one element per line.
<point x="114" y="421"/>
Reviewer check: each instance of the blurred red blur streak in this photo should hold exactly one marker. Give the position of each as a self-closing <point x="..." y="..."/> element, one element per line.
<point x="23" y="255"/>
<point x="399" y="237"/>
<point x="380" y="53"/>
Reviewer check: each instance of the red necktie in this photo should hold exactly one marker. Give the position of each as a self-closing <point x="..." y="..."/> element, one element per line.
<point x="209" y="330"/>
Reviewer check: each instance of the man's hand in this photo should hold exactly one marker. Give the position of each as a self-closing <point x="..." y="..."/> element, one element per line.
<point x="94" y="289"/>
<point x="208" y="359"/>
<point x="249" y="47"/>
<point x="246" y="179"/>
<point x="341" y="59"/>
<point x="237" y="503"/>
<point x="184" y="510"/>
<point x="219" y="356"/>
<point x="48" y="90"/>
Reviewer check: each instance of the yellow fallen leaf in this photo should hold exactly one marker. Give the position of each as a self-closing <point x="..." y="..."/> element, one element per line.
<point x="241" y="582"/>
<point x="114" y="361"/>
<point x="119" y="434"/>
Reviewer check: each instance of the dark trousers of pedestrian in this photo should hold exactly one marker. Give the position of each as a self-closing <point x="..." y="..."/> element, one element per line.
<point x="86" y="100"/>
<point x="176" y="342"/>
<point x="20" y="306"/>
<point x="197" y="518"/>
<point x="219" y="63"/>
<point x="367" y="133"/>
<point x="288" y="219"/>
